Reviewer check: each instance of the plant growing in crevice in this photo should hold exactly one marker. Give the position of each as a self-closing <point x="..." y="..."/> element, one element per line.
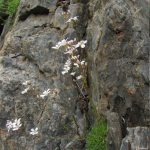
<point x="9" y="7"/>
<point x="76" y="68"/>
<point x="97" y="138"/>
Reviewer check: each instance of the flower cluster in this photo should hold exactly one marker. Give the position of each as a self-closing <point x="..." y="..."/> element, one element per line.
<point x="26" y="83"/>
<point x="16" y="125"/>
<point x="13" y="125"/>
<point x="73" y="62"/>
<point x="73" y="59"/>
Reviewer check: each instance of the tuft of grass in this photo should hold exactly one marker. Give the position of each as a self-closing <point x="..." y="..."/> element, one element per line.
<point x="97" y="138"/>
<point x="9" y="7"/>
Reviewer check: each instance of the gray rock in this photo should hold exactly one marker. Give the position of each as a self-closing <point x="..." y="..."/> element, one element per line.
<point x="114" y="132"/>
<point x="117" y="54"/>
<point x="137" y="138"/>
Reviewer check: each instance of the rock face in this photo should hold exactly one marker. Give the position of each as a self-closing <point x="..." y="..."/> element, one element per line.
<point x="118" y="72"/>
<point x="138" y="138"/>
<point x="118" y="60"/>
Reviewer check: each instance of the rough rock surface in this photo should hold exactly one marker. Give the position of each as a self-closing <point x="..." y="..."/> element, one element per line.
<point x="137" y="138"/>
<point x="118" y="60"/>
<point x="118" y="72"/>
<point x="114" y="131"/>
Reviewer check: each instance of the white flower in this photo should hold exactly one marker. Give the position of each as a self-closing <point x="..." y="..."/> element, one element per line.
<point x="75" y="57"/>
<point x="73" y="73"/>
<point x="63" y="72"/>
<point x="67" y="66"/>
<point x="27" y="83"/>
<point x="75" y="18"/>
<point x="79" y="77"/>
<point x="9" y="125"/>
<point x="76" y="64"/>
<point x="82" y="62"/>
<point x="82" y="43"/>
<point x="69" y="20"/>
<point x="45" y="93"/>
<point x="42" y="96"/>
<point x="77" y="45"/>
<point x="69" y="51"/>
<point x="62" y="43"/>
<point x="56" y="47"/>
<point x="25" y="91"/>
<point x="34" y="131"/>
<point x="70" y="42"/>
<point x="16" y="124"/>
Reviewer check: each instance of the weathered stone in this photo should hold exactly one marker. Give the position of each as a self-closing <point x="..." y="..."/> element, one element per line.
<point x="117" y="54"/>
<point x="114" y="132"/>
<point x="75" y="144"/>
<point x="36" y="7"/>
<point x="137" y="138"/>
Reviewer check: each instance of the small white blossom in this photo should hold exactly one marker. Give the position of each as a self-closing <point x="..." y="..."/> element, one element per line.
<point x="62" y="43"/>
<point x="34" y="131"/>
<point x="75" y="57"/>
<point x="27" y="83"/>
<point x="42" y="96"/>
<point x="67" y="66"/>
<point x="45" y="93"/>
<point x="77" y="45"/>
<point x="16" y="124"/>
<point x="73" y="73"/>
<point x="82" y="62"/>
<point x="25" y="91"/>
<point x="79" y="77"/>
<point x="69" y="20"/>
<point x="9" y="125"/>
<point x="76" y="64"/>
<point x="13" y="125"/>
<point x="81" y="44"/>
<point x="75" y="18"/>
<point x="70" y="51"/>
<point x="56" y="47"/>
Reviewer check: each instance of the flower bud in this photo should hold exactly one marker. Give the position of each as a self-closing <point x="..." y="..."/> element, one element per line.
<point x="78" y="62"/>
<point x="53" y="97"/>
<point x="29" y="82"/>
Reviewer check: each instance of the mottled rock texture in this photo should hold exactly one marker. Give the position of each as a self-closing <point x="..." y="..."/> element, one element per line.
<point x="117" y="53"/>
<point x="137" y="138"/>
<point x="118" y="60"/>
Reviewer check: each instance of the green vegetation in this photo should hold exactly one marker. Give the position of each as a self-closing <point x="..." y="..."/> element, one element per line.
<point x="9" y="7"/>
<point x="96" y="139"/>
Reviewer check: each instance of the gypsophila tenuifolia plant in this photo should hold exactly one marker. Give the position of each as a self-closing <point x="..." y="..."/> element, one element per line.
<point x="76" y="67"/>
